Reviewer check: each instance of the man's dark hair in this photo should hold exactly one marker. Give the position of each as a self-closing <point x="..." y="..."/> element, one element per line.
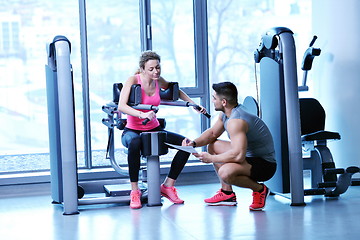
<point x="226" y="90"/>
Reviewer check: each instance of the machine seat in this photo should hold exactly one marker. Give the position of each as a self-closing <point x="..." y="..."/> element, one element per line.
<point x="321" y="135"/>
<point x="312" y="119"/>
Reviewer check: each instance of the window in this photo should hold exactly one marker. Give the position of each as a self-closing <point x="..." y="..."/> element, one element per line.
<point x="113" y="28"/>
<point x="235" y="30"/>
<point x="113" y="49"/>
<point x="173" y="39"/>
<point x="25" y="28"/>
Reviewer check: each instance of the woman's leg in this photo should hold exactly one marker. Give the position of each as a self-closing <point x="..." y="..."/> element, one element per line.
<point x="167" y="188"/>
<point x="179" y="160"/>
<point x="132" y="141"/>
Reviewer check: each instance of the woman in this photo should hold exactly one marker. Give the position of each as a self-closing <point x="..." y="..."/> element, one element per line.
<point x="148" y="76"/>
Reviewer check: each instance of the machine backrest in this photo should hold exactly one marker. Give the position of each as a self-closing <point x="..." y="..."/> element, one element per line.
<point x="135" y="94"/>
<point x="251" y="105"/>
<point x="312" y="116"/>
<point x="170" y="94"/>
<point x="116" y="92"/>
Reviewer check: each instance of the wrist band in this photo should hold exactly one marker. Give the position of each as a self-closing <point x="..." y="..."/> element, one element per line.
<point x="194" y="144"/>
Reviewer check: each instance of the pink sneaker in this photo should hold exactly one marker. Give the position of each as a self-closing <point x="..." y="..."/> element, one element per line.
<point x="221" y="199"/>
<point x="170" y="193"/>
<point x="259" y="199"/>
<point x="135" y="199"/>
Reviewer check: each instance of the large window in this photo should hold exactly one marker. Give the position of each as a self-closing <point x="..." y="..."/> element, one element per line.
<point x="235" y="30"/>
<point x="25" y="29"/>
<point x="113" y="44"/>
<point x="113" y="52"/>
<point x="173" y="38"/>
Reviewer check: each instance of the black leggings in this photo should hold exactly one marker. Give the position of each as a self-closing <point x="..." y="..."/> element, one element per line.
<point x="131" y="139"/>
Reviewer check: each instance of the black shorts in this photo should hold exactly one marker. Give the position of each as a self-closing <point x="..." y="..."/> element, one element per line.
<point x="261" y="169"/>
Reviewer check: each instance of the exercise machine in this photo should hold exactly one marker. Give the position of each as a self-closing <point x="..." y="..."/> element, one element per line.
<point x="279" y="108"/>
<point x="65" y="188"/>
<point x="291" y="121"/>
<point x="114" y="121"/>
<point x="153" y="146"/>
<point x="326" y="179"/>
<point x="61" y="118"/>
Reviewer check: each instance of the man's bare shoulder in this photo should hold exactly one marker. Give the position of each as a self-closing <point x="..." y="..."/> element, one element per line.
<point x="236" y="125"/>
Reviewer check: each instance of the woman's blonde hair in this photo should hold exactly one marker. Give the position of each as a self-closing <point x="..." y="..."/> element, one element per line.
<point x="146" y="56"/>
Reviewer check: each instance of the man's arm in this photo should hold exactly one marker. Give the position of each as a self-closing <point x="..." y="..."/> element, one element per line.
<point x="237" y="129"/>
<point x="211" y="134"/>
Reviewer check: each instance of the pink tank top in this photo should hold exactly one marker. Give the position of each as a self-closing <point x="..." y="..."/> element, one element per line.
<point x="135" y="123"/>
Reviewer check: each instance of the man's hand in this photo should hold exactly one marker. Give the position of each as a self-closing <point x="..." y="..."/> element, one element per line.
<point x="204" y="157"/>
<point x="187" y="142"/>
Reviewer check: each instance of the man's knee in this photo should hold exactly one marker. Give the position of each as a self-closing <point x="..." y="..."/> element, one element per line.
<point x="225" y="175"/>
<point x="232" y="172"/>
<point x="216" y="147"/>
<point x="210" y="148"/>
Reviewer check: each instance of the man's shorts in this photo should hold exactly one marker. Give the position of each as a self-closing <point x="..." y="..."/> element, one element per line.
<point x="261" y="169"/>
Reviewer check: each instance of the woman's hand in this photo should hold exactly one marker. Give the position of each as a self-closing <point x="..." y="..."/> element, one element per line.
<point x="201" y="110"/>
<point x="147" y="115"/>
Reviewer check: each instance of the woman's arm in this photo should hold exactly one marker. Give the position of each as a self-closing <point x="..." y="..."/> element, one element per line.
<point x="124" y="99"/>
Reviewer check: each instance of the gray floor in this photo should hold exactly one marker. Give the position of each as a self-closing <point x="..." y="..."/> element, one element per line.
<point x="30" y="215"/>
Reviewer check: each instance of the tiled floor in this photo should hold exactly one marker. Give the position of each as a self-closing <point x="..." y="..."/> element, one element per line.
<point x="32" y="216"/>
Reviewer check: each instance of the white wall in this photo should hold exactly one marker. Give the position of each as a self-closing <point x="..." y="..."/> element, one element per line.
<point x="335" y="74"/>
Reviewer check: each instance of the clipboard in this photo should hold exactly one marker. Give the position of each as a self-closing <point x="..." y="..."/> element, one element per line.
<point x="188" y="149"/>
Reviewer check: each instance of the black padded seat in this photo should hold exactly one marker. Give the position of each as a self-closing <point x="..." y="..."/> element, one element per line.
<point x="312" y="119"/>
<point x="321" y="135"/>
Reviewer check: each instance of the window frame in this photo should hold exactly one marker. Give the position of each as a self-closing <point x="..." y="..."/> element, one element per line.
<point x="200" y="91"/>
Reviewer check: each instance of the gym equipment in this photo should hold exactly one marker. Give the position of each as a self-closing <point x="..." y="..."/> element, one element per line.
<point x="324" y="180"/>
<point x="61" y="119"/>
<point x="62" y="137"/>
<point x="307" y="61"/>
<point x="316" y="155"/>
<point x="153" y="147"/>
<point x="170" y="97"/>
<point x="296" y="123"/>
<point x="280" y="109"/>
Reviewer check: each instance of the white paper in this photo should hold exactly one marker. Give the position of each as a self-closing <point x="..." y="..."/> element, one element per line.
<point x="188" y="149"/>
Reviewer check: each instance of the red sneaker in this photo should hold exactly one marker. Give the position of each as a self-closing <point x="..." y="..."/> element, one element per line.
<point x="170" y="193"/>
<point x="259" y="199"/>
<point x="135" y="199"/>
<point x="221" y="199"/>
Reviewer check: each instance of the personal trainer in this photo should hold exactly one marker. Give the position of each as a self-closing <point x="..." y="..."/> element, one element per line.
<point x="247" y="160"/>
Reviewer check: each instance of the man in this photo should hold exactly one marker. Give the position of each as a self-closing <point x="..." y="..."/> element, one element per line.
<point x="247" y="160"/>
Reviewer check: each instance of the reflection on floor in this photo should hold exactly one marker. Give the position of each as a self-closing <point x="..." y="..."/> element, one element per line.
<point x="32" y="216"/>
